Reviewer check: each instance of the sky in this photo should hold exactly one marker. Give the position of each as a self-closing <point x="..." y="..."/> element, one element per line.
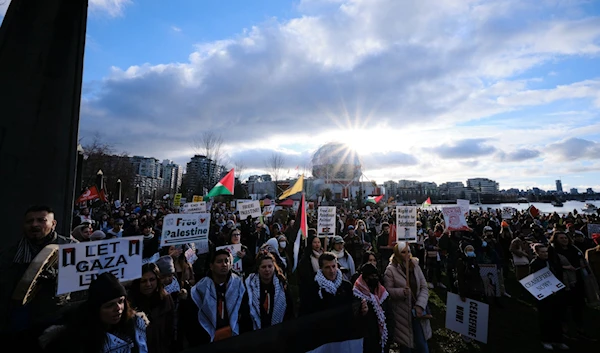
<point x="429" y="90"/>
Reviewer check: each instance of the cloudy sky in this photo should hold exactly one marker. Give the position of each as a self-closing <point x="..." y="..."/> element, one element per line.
<point x="432" y="90"/>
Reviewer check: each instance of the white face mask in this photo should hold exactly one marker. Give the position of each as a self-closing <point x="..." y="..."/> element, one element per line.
<point x="282" y="244"/>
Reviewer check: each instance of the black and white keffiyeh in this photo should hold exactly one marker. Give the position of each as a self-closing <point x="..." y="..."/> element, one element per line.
<point x="328" y="286"/>
<point x="279" y="300"/>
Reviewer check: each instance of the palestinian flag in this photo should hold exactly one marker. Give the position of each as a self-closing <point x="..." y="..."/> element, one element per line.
<point x="427" y="203"/>
<point x="301" y="231"/>
<point x="223" y="187"/>
<point x="374" y="199"/>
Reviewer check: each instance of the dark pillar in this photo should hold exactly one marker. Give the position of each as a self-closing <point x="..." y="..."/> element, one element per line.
<point x="79" y="174"/>
<point x="100" y="180"/>
<point x="41" y="67"/>
<point x="119" y="190"/>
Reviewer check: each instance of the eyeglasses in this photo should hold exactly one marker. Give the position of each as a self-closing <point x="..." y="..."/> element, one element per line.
<point x="236" y="234"/>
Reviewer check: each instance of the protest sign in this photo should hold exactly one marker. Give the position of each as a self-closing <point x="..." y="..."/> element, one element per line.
<point x="194" y="207"/>
<point x="542" y="283"/>
<point x="469" y="318"/>
<point x="464" y="206"/>
<point x="80" y="263"/>
<point x="190" y="254"/>
<point x="454" y="218"/>
<point x="326" y="221"/>
<point x="507" y="212"/>
<point x="185" y="228"/>
<point x="268" y="211"/>
<point x="249" y="208"/>
<point x="177" y="200"/>
<point x="197" y="198"/>
<point x="593" y="229"/>
<point x="406" y="223"/>
<point x="491" y="281"/>
<point x="233" y="250"/>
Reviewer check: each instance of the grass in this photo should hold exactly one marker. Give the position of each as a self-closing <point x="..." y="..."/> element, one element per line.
<point x="512" y="328"/>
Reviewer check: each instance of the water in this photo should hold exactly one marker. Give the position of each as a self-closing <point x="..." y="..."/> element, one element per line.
<point x="569" y="206"/>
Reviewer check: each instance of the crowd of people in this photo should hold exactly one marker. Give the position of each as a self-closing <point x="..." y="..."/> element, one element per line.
<point x="186" y="299"/>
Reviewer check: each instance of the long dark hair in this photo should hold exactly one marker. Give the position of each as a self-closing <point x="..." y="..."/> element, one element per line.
<point x="142" y="302"/>
<point x="265" y="255"/>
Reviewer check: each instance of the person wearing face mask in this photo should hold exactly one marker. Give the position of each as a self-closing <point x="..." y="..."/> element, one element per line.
<point x="273" y="246"/>
<point x="368" y="287"/>
<point x="470" y="284"/>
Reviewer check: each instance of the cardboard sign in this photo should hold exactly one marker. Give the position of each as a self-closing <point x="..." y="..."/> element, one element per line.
<point x="268" y="211"/>
<point x="542" y="284"/>
<point x="249" y="208"/>
<point x="326" y="219"/>
<point x="233" y="250"/>
<point x="185" y="228"/>
<point x="197" y="198"/>
<point x="491" y="281"/>
<point x="177" y="200"/>
<point x="464" y="206"/>
<point x="194" y="207"/>
<point x="406" y="223"/>
<point x="454" y="218"/>
<point x="507" y="212"/>
<point x="80" y="263"/>
<point x="469" y="318"/>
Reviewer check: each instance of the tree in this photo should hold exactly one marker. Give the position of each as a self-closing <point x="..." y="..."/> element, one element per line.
<point x="275" y="165"/>
<point x="239" y="166"/>
<point x="99" y="155"/>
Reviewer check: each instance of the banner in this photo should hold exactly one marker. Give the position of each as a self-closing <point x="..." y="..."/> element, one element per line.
<point x="406" y="223"/>
<point x="326" y="221"/>
<point x="469" y="318"/>
<point x="233" y="250"/>
<point x="194" y="207"/>
<point x="507" y="212"/>
<point x="80" y="263"/>
<point x="542" y="283"/>
<point x="177" y="200"/>
<point x="454" y="218"/>
<point x="491" y="281"/>
<point x="249" y="208"/>
<point x="464" y="206"/>
<point x="186" y="228"/>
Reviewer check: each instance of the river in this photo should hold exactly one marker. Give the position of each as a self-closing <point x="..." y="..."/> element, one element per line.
<point x="569" y="206"/>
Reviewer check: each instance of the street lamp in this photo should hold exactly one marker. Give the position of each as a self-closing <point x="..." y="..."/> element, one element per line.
<point x="100" y="180"/>
<point x="119" y="189"/>
<point x="137" y="193"/>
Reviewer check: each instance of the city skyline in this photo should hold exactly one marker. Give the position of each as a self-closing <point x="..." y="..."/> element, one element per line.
<point x="505" y="89"/>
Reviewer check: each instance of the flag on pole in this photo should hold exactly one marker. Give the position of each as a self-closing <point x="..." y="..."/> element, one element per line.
<point x="374" y="199"/>
<point x="223" y="187"/>
<point x="294" y="189"/>
<point x="89" y="195"/>
<point x="427" y="203"/>
<point x="301" y="231"/>
<point x="102" y="196"/>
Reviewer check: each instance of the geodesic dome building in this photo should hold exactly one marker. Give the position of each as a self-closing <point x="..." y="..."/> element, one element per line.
<point x="336" y="162"/>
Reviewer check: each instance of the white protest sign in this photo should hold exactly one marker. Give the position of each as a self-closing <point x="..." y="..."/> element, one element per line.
<point x="185" y="228"/>
<point x="195" y="207"/>
<point x="464" y="206"/>
<point x="507" y="212"/>
<point x="295" y="206"/>
<point x="469" y="318"/>
<point x="268" y="211"/>
<point x="326" y="221"/>
<point x="80" y="263"/>
<point x="233" y="250"/>
<point x="117" y="204"/>
<point x="454" y="218"/>
<point x="542" y="283"/>
<point x="249" y="208"/>
<point x="406" y="223"/>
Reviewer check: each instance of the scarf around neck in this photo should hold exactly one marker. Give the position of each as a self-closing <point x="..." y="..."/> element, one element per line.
<point x="339" y="254"/>
<point x="27" y="250"/>
<point x="362" y="291"/>
<point x="279" y="300"/>
<point x="330" y="287"/>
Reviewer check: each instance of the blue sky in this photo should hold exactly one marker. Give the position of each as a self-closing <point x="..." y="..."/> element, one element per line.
<point x="434" y="90"/>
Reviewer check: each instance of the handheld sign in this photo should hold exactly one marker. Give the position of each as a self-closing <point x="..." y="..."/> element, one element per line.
<point x="454" y="218"/>
<point x="80" y="263"/>
<point x="542" y="284"/>
<point x="233" y="250"/>
<point x="186" y="228"/>
<point x="406" y="223"/>
<point x="464" y="206"/>
<point x="249" y="208"/>
<point x="469" y="318"/>
<point x="326" y="226"/>
<point x="194" y="207"/>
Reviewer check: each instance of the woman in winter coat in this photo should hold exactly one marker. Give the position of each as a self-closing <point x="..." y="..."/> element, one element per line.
<point x="470" y="284"/>
<point x="235" y="236"/>
<point x="344" y="258"/>
<point x="105" y="322"/>
<point x="307" y="269"/>
<point x="269" y="299"/>
<point x="147" y="294"/>
<point x="409" y="294"/>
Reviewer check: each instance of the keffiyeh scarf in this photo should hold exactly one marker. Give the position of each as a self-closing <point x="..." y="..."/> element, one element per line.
<point x="328" y="286"/>
<point x="361" y="290"/>
<point x="279" y="300"/>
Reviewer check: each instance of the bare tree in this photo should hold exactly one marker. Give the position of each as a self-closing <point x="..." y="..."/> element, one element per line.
<point x="275" y="165"/>
<point x="239" y="166"/>
<point x="209" y="145"/>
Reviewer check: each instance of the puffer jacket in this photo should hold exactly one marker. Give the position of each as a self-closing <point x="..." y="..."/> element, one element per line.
<point x="401" y="306"/>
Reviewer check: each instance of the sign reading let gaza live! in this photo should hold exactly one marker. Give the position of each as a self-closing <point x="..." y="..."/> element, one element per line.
<point x="80" y="263"/>
<point x="181" y="228"/>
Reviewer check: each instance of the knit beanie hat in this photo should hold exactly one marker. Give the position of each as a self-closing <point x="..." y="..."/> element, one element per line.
<point x="105" y="288"/>
<point x="368" y="269"/>
<point x="165" y="265"/>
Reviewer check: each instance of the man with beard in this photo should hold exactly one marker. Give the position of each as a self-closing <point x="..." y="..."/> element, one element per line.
<point x="27" y="322"/>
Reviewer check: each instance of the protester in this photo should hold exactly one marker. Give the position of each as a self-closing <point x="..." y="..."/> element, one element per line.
<point x="344" y="259"/>
<point x="307" y="269"/>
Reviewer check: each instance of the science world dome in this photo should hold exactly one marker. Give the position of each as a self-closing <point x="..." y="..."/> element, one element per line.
<point x="336" y="161"/>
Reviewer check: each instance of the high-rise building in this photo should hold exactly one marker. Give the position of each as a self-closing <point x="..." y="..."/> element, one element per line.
<point x="559" y="188"/>
<point x="574" y="191"/>
<point x="483" y="185"/>
<point x="148" y="175"/>
<point x="172" y="176"/>
<point x="202" y="174"/>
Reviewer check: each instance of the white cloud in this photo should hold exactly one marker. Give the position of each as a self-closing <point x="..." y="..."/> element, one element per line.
<point x="175" y="29"/>
<point x="391" y="78"/>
